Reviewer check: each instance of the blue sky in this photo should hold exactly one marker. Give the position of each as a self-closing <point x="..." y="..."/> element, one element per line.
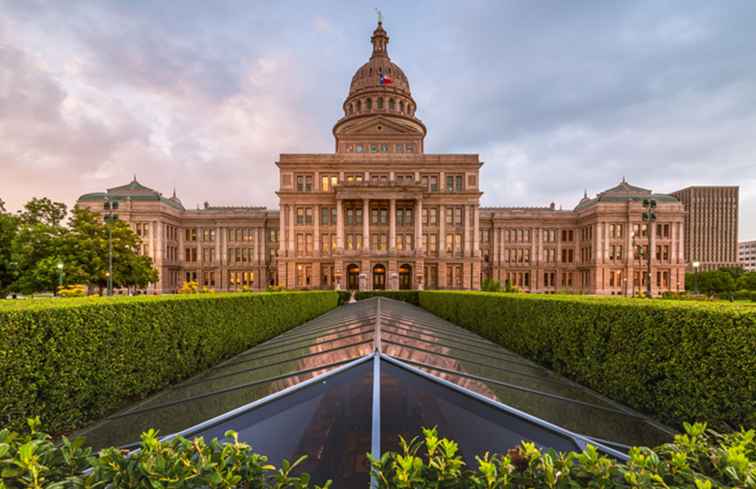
<point x="556" y="97"/>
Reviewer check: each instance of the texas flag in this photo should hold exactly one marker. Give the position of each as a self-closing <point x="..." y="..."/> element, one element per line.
<point x="386" y="80"/>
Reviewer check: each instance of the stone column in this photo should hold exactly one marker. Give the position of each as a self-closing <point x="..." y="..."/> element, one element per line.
<point x="366" y="225"/>
<point x="476" y="230"/>
<point x="392" y="226"/>
<point x="316" y="231"/>
<point x="339" y="226"/>
<point x="442" y="232"/>
<point x="419" y="227"/>
<point x="466" y="221"/>
<point x="282" y="232"/>
<point x="292" y="236"/>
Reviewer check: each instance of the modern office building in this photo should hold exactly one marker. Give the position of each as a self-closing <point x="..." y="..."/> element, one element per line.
<point x="747" y="255"/>
<point x="711" y="220"/>
<point x="381" y="213"/>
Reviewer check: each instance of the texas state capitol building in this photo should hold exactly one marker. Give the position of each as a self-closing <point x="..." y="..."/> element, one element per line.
<point x="380" y="213"/>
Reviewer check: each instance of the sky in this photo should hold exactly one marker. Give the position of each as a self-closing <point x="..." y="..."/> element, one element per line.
<point x="557" y="98"/>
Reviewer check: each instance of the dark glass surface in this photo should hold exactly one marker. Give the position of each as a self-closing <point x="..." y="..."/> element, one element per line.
<point x="410" y="402"/>
<point x="330" y="421"/>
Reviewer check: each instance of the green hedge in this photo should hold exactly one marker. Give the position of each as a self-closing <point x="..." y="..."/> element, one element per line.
<point x="70" y="361"/>
<point x="411" y="296"/>
<point x="675" y="360"/>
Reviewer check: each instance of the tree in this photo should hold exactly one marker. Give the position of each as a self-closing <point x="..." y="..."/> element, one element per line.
<point x="736" y="272"/>
<point x="86" y="249"/>
<point x="747" y="281"/>
<point x="2" y="206"/>
<point x="8" y="230"/>
<point x="711" y="282"/>
<point x="38" y="236"/>
<point x="43" y="211"/>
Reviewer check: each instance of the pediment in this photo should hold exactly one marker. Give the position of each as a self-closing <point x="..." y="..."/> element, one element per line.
<point x="378" y="126"/>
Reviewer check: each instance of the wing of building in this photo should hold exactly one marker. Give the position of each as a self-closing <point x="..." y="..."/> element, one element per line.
<point x="381" y="213"/>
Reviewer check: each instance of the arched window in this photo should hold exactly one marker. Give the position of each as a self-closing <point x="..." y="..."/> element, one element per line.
<point x="351" y="109"/>
<point x="369" y="104"/>
<point x="359" y="106"/>
<point x="392" y="104"/>
<point x="401" y="106"/>
<point x="379" y="103"/>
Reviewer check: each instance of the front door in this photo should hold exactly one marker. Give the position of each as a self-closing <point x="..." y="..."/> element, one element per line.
<point x="405" y="277"/>
<point x="379" y="277"/>
<point x="353" y="277"/>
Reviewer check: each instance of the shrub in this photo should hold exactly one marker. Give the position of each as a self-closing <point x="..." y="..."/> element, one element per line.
<point x="490" y="285"/>
<point x="344" y="296"/>
<point x="411" y="296"/>
<point x="33" y="461"/>
<point x="697" y="459"/>
<point x="75" y="360"/>
<point x="189" y="287"/>
<point x="675" y="360"/>
<point x="79" y="290"/>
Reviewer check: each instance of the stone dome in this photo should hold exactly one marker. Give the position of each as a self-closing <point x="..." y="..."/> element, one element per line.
<point x="367" y="95"/>
<point x="368" y="76"/>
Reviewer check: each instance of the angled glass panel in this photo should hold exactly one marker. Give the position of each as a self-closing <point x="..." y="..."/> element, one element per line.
<point x="593" y="421"/>
<point x="533" y="379"/>
<point x="330" y="421"/>
<point x="410" y="402"/>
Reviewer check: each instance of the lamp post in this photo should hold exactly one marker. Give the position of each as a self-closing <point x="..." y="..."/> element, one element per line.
<point x="696" y="264"/>
<point x="59" y="266"/>
<point x="109" y="216"/>
<point x="649" y="216"/>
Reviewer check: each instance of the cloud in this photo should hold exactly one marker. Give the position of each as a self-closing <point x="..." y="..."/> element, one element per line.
<point x="555" y="98"/>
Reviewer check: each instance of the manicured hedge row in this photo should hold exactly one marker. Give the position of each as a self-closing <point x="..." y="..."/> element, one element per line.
<point x="69" y="361"/>
<point x="676" y="360"/>
<point x="411" y="296"/>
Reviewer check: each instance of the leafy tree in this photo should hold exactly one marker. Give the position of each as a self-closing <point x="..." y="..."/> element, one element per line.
<point x="43" y="211"/>
<point x="711" y="282"/>
<point x="86" y="248"/>
<point x="8" y="230"/>
<point x="736" y="272"/>
<point x="38" y="236"/>
<point x="747" y="281"/>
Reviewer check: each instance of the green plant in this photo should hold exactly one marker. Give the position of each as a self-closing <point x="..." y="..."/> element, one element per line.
<point x="697" y="459"/>
<point x="78" y="290"/>
<point x="31" y="460"/>
<point x="675" y="360"/>
<point x="75" y="360"/>
<point x="490" y="285"/>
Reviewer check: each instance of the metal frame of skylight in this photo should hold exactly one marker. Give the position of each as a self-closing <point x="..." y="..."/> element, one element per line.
<point x="230" y="389"/>
<point x="281" y="362"/>
<point x="580" y="440"/>
<point x="467" y="340"/>
<point x="377" y="356"/>
<point x="250" y="358"/>
<point x="269" y="398"/>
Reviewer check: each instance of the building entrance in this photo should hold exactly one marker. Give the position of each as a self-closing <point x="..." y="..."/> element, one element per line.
<point x="379" y="277"/>
<point x="353" y="277"/>
<point x="405" y="277"/>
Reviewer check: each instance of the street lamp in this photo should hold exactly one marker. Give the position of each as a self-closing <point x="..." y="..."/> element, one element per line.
<point x="696" y="264"/>
<point x="109" y="216"/>
<point x="59" y="266"/>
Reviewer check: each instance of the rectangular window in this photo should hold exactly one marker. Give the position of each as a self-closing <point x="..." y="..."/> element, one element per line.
<point x="325" y="215"/>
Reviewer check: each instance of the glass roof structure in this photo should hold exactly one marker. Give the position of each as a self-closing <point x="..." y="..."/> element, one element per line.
<point x="355" y="379"/>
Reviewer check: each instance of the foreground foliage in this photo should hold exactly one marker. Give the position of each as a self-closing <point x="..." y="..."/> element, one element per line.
<point x="676" y="360"/>
<point x="33" y="461"/>
<point x="699" y="459"/>
<point x="74" y="360"/>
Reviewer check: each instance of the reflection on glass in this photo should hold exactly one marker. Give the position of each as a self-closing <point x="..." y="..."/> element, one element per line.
<point x="329" y="421"/>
